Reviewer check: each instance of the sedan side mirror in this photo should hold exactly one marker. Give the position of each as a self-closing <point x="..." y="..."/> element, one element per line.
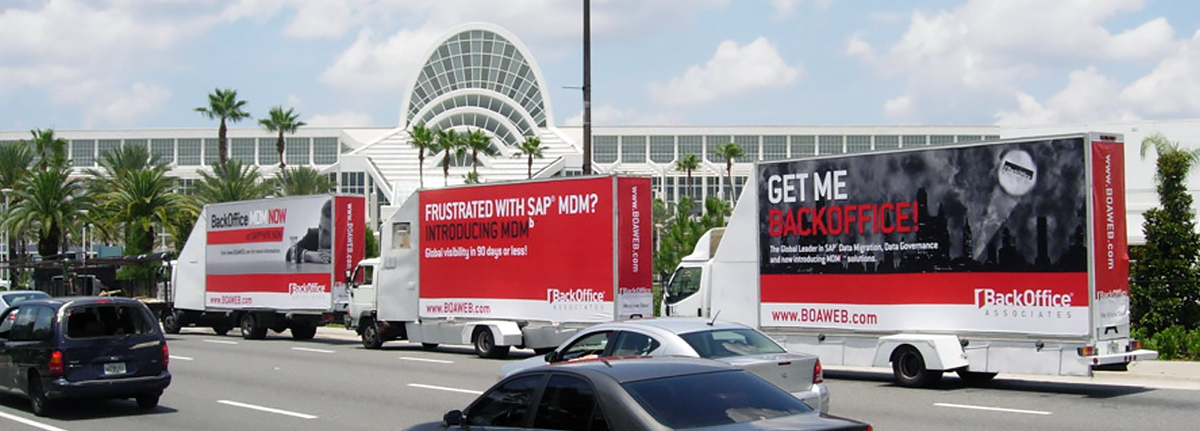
<point x="552" y="357"/>
<point x="452" y="418"/>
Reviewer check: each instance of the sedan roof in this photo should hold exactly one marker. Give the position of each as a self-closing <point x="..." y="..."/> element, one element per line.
<point x="680" y="325"/>
<point x="639" y="368"/>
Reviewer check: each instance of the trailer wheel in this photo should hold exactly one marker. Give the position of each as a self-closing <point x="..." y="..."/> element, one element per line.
<point x="170" y="322"/>
<point x="370" y="336"/>
<point x="251" y="330"/>
<point x="975" y="378"/>
<point x="908" y="369"/>
<point x="485" y="344"/>
<point x="303" y="331"/>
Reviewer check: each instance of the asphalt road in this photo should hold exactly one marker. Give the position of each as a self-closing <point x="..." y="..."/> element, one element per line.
<point x="227" y="383"/>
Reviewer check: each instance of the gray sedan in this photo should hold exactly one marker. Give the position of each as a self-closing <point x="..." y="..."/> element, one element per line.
<point x="638" y="394"/>
<point x="732" y="343"/>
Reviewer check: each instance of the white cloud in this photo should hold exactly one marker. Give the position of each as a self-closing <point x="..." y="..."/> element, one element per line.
<point x="733" y="70"/>
<point x="987" y="49"/>
<point x="1171" y="89"/>
<point x="371" y="64"/>
<point x="125" y="108"/>
<point x="899" y="107"/>
<point x="341" y="119"/>
<point x="609" y="115"/>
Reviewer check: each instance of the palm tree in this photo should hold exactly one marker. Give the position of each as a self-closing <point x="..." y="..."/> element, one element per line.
<point x="300" y="181"/>
<point x="16" y="159"/>
<point x="232" y="181"/>
<point x="49" y="201"/>
<point x="142" y="201"/>
<point x="116" y="165"/>
<point x="224" y="104"/>
<point x="478" y="142"/>
<point x="422" y="139"/>
<point x="282" y="122"/>
<point x="450" y="144"/>
<point x="730" y="151"/>
<point x="688" y="163"/>
<point x="529" y="148"/>
<point x="51" y="151"/>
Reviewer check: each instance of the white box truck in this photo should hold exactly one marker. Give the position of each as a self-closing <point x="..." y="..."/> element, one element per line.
<point x="271" y="264"/>
<point x="1004" y="256"/>
<point x="521" y="264"/>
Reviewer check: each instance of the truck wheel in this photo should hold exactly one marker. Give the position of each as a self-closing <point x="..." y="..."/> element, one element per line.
<point x="370" y="336"/>
<point x="485" y="345"/>
<point x="303" y="331"/>
<point x="908" y="369"/>
<point x="975" y="378"/>
<point x="170" y="323"/>
<point x="222" y="329"/>
<point x="251" y="329"/>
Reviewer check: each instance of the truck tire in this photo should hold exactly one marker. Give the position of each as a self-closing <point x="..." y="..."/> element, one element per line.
<point x="222" y="328"/>
<point x="908" y="369"/>
<point x="251" y="330"/>
<point x="170" y="322"/>
<point x="485" y="344"/>
<point x="303" y="331"/>
<point x="975" y="378"/>
<point x="371" y="338"/>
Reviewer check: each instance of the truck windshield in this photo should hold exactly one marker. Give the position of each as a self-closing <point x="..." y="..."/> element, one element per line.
<point x="684" y="283"/>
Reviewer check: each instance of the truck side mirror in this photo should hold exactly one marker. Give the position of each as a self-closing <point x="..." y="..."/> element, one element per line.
<point x="349" y="277"/>
<point x="452" y="418"/>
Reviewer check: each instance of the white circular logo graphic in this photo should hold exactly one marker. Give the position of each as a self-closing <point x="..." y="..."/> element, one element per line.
<point x="1018" y="173"/>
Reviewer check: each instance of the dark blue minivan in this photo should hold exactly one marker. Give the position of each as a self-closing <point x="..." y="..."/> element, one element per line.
<point x="82" y="347"/>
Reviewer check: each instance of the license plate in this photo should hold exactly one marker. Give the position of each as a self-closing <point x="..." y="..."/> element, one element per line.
<point x="112" y="368"/>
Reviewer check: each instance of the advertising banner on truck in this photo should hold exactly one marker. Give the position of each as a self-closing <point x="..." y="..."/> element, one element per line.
<point x="281" y="253"/>
<point x="975" y="238"/>
<point x="547" y="248"/>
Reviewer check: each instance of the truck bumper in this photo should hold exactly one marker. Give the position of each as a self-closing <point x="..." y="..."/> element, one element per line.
<point x="1121" y="358"/>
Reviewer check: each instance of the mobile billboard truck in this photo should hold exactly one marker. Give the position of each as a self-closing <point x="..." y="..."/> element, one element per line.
<point x="1003" y="256"/>
<point x="271" y="264"/>
<point x="495" y="266"/>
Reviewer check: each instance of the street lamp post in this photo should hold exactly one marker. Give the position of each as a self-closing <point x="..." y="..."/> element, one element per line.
<point x="7" y="252"/>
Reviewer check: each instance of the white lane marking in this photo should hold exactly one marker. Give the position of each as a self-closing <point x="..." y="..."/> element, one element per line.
<point x="436" y="361"/>
<point x="306" y="349"/>
<point x="30" y="422"/>
<point x="441" y="388"/>
<point x="266" y="409"/>
<point x="220" y="342"/>
<point x="181" y="358"/>
<point x="993" y="409"/>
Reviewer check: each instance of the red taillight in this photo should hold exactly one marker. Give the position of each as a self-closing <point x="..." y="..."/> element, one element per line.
<point x="166" y="355"/>
<point x="818" y="373"/>
<point x="56" y="363"/>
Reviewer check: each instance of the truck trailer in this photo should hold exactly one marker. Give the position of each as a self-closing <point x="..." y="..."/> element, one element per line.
<point x="522" y="264"/>
<point x="270" y="264"/>
<point x="1005" y="256"/>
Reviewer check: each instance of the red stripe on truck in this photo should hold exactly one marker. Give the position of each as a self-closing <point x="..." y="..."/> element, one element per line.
<point x="1042" y="289"/>
<point x="268" y="283"/>
<point x="246" y="236"/>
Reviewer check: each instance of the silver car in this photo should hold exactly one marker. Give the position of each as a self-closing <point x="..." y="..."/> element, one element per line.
<point x="733" y="343"/>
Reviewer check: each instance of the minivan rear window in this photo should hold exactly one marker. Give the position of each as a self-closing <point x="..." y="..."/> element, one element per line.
<point x="106" y="320"/>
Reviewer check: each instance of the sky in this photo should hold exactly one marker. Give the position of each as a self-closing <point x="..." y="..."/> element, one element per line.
<point x="139" y="64"/>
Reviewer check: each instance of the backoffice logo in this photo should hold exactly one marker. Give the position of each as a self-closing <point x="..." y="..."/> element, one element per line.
<point x="1028" y="303"/>
<point x="575" y="299"/>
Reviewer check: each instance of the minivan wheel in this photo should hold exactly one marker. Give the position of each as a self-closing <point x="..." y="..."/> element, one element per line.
<point x="39" y="403"/>
<point x="147" y="401"/>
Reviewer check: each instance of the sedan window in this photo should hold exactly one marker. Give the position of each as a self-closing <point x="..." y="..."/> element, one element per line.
<point x="106" y="320"/>
<point x="634" y="344"/>
<point x="724" y="343"/>
<point x="568" y="403"/>
<point x="588" y="346"/>
<point x="506" y="405"/>
<point x="712" y="399"/>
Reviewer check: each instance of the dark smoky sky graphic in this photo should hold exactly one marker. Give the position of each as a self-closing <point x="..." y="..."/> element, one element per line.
<point x="962" y="188"/>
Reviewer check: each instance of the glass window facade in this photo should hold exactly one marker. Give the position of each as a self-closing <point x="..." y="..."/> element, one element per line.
<point x="325" y="151"/>
<point x="691" y="145"/>
<point x="803" y="146"/>
<point x="104" y="146"/>
<point x="242" y="149"/>
<point x="858" y="144"/>
<point x="354" y="183"/>
<point x="712" y="142"/>
<point x="774" y="147"/>
<point x="749" y="144"/>
<point x="662" y="149"/>
<point x="604" y="149"/>
<point x="297" y="152"/>
<point x="189" y="152"/>
<point x="969" y="138"/>
<point x="887" y="142"/>
<point x="268" y="154"/>
<point x="83" y="153"/>
<point x="941" y="139"/>
<point x="164" y="149"/>
<point x="830" y="144"/>
<point x="212" y="151"/>
<point x="633" y="149"/>
<point x="908" y="141"/>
